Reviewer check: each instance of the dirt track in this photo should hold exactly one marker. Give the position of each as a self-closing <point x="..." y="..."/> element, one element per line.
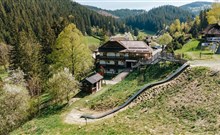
<point x="213" y="64"/>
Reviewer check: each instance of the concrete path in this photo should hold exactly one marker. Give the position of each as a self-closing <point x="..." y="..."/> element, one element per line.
<point x="118" y="78"/>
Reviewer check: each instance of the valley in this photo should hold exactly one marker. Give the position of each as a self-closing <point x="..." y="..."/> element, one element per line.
<point x="74" y="67"/>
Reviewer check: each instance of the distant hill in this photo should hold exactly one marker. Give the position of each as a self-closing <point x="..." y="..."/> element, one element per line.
<point x="119" y="13"/>
<point x="196" y="7"/>
<point x="156" y="18"/>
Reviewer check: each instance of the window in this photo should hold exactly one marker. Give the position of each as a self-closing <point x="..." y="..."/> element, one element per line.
<point x="121" y="55"/>
<point x="104" y="54"/>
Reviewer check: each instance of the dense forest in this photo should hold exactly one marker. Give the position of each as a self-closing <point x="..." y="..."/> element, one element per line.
<point x="121" y="13"/>
<point x="42" y="17"/>
<point x="196" y="7"/>
<point x="157" y="18"/>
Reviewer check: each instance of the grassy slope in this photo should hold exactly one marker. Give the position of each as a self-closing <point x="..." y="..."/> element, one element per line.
<point x="191" y="51"/>
<point x="117" y="94"/>
<point x="3" y="73"/>
<point x="192" y="108"/>
<point x="92" y="41"/>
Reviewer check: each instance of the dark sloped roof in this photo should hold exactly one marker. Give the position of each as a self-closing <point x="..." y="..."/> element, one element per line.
<point x="94" y="78"/>
<point x="136" y="46"/>
<point x="212" y="29"/>
<point x="126" y="46"/>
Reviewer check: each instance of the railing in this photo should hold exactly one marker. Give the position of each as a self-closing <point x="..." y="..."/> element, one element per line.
<point x="146" y="87"/>
<point x="213" y="39"/>
<point x="120" y="57"/>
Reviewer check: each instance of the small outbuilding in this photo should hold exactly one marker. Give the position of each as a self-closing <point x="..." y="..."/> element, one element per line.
<point x="92" y="83"/>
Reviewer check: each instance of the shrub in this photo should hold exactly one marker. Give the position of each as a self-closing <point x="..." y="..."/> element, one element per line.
<point x="14" y="105"/>
<point x="61" y="86"/>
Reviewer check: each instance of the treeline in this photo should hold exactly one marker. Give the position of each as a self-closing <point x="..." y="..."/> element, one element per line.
<point x="121" y="13"/>
<point x="42" y="17"/>
<point x="179" y="33"/>
<point x="158" y="18"/>
<point x="40" y="81"/>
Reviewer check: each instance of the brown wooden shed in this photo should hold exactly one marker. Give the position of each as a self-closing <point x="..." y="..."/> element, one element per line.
<point x="92" y="83"/>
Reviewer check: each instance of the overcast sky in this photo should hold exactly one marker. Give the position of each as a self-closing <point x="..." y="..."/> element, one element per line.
<point x="134" y="4"/>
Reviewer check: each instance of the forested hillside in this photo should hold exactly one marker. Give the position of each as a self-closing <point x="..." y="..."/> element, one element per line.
<point x="196" y="7"/>
<point x="120" y="13"/>
<point x="49" y="17"/>
<point x="157" y="18"/>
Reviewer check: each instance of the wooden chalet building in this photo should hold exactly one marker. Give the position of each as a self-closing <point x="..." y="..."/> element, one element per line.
<point x="115" y="56"/>
<point x="212" y="36"/>
<point x="212" y="33"/>
<point x="92" y="83"/>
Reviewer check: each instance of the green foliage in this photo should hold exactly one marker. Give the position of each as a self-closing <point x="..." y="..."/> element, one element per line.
<point x="14" y="105"/>
<point x="155" y="19"/>
<point x="213" y="16"/>
<point x="4" y="55"/>
<point x="175" y="27"/>
<point x="62" y="86"/>
<point x="27" y="56"/>
<point x="118" y="93"/>
<point x="196" y="27"/>
<point x="165" y="39"/>
<point x="158" y="115"/>
<point x="70" y="51"/>
<point x="48" y="18"/>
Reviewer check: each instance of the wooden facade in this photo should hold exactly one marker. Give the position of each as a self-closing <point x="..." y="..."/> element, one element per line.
<point x="115" y="56"/>
<point x="92" y="83"/>
<point x="212" y="33"/>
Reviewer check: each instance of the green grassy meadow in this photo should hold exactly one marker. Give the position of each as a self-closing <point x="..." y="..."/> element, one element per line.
<point x="193" y="51"/>
<point x="189" y="108"/>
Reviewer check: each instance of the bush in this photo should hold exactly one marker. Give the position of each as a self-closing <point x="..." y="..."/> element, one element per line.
<point x="61" y="86"/>
<point x="14" y="105"/>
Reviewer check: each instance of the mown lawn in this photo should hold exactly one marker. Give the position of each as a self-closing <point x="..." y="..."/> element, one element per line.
<point x="190" y="108"/>
<point x="192" y="51"/>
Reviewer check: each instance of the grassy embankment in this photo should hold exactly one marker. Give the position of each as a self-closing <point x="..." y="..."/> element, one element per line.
<point x="190" y="108"/>
<point x="192" y="50"/>
<point x="92" y="42"/>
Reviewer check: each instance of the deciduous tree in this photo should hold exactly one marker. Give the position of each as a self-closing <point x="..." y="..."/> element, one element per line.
<point x="213" y="15"/>
<point x="165" y="39"/>
<point x="62" y="85"/>
<point x="71" y="51"/>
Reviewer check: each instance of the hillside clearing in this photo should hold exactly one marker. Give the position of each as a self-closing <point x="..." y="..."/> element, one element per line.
<point x="179" y="109"/>
<point x="192" y="51"/>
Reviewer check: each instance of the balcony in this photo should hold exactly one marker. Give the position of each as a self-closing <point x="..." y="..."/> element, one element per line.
<point x="119" y="57"/>
<point x="112" y="66"/>
<point x="213" y="39"/>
